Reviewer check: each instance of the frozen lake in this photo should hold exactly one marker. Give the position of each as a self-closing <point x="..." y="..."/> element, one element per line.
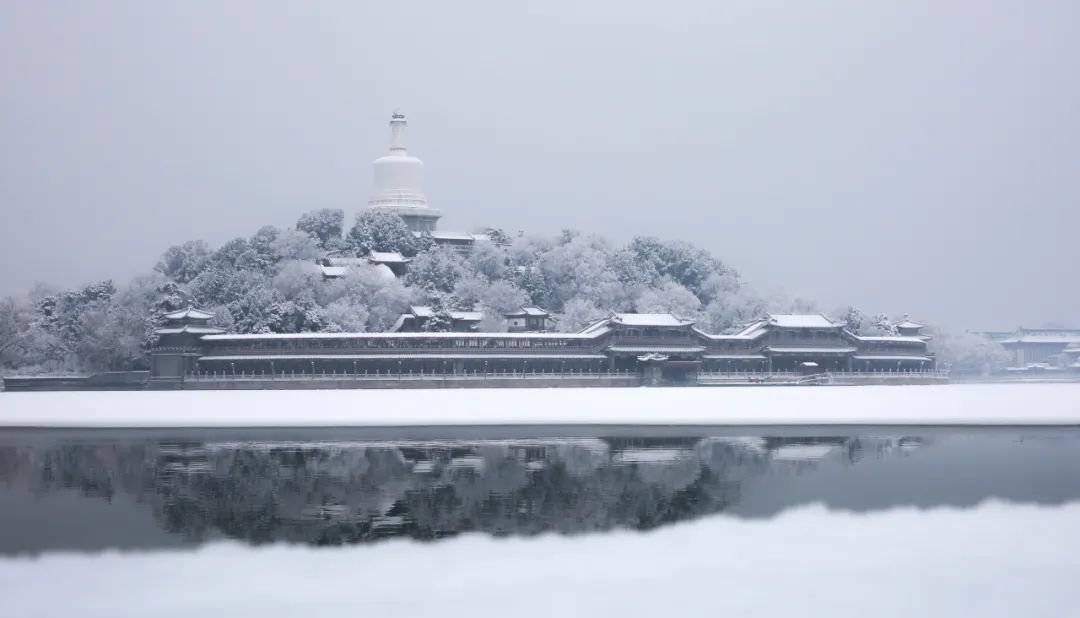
<point x="959" y="404"/>
<point x="557" y="521"/>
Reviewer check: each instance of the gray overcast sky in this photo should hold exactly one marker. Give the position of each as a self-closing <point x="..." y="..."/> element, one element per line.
<point x="919" y="156"/>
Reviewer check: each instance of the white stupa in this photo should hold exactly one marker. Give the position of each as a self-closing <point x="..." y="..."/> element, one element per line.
<point x="399" y="186"/>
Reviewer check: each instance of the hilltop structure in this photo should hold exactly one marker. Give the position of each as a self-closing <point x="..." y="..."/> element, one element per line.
<point x="398" y="188"/>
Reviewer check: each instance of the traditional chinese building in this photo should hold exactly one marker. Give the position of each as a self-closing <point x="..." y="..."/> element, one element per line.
<point x="180" y="346"/>
<point x="529" y="320"/>
<point x="661" y="347"/>
<point x="416" y="320"/>
<point x="1035" y="346"/>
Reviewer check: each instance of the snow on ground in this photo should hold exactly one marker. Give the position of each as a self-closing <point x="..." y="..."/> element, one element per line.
<point x="960" y="404"/>
<point x="995" y="560"/>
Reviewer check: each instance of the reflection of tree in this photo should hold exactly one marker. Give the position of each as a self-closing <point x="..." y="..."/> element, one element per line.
<point x="325" y="493"/>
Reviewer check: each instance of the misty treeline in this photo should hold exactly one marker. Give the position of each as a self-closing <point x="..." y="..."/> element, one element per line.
<point x="271" y="283"/>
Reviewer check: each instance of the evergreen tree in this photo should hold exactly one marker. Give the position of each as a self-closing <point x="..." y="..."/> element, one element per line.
<point x="325" y="224"/>
<point x="382" y="231"/>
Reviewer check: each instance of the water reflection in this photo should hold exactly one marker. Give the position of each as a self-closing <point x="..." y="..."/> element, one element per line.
<point x="87" y="492"/>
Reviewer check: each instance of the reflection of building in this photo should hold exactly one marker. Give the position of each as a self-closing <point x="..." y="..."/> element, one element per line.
<point x="660" y="347"/>
<point x="335" y="492"/>
<point x="1033" y="346"/>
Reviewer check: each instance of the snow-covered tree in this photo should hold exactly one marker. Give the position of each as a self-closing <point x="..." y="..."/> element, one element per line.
<point x="380" y="299"/>
<point x="579" y="266"/>
<point x="729" y="312"/>
<point x="382" y="231"/>
<point x="324" y="224"/>
<point x="16" y="331"/>
<point x="498" y="237"/>
<point x="879" y="325"/>
<point x="263" y="249"/>
<point x="649" y="260"/>
<point x="851" y="318"/>
<point x="440" y="320"/>
<point x="295" y="245"/>
<point x="184" y="262"/>
<point x="346" y="315"/>
<point x="968" y="353"/>
<point x="488" y="260"/>
<point x="670" y="297"/>
<point x="296" y="278"/>
<point x="258" y="310"/>
<point x="227" y="255"/>
<point x="221" y="286"/>
<point x="577" y="313"/>
<point x="437" y="270"/>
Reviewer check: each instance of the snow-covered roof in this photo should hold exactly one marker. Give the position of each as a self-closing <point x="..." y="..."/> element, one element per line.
<point x="468" y="316"/>
<point x="651" y="455"/>
<point x="387" y="257"/>
<point x="909" y="324"/>
<point x="188" y="328"/>
<point x="454" y="236"/>
<point x="753" y="357"/>
<point x="799" y="350"/>
<point x="1043" y="338"/>
<point x="801" y="320"/>
<point x="346" y="261"/>
<point x="393" y="335"/>
<point x="424" y="311"/>
<point x="649" y="319"/>
<point x="535" y="312"/>
<point x="892" y="338"/>
<point x="334" y="271"/>
<point x="804" y="452"/>
<point x="890" y="357"/>
<point x="657" y="349"/>
<point x="189" y="313"/>
<point x="783" y="320"/>
<point x="596" y="327"/>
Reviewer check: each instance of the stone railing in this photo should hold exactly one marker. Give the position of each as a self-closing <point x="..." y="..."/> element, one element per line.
<point x="407" y="375"/>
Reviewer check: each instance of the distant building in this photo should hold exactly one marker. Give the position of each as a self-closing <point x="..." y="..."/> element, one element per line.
<point x="908" y="328"/>
<point x="529" y="320"/>
<point x="416" y="319"/>
<point x="389" y="265"/>
<point x="1070" y="356"/>
<point x="1035" y="346"/>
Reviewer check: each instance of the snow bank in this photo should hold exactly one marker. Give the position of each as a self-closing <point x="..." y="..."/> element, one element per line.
<point x="996" y="560"/>
<point x="968" y="404"/>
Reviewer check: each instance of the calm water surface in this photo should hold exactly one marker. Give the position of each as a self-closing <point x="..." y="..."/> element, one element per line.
<point x="96" y="490"/>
